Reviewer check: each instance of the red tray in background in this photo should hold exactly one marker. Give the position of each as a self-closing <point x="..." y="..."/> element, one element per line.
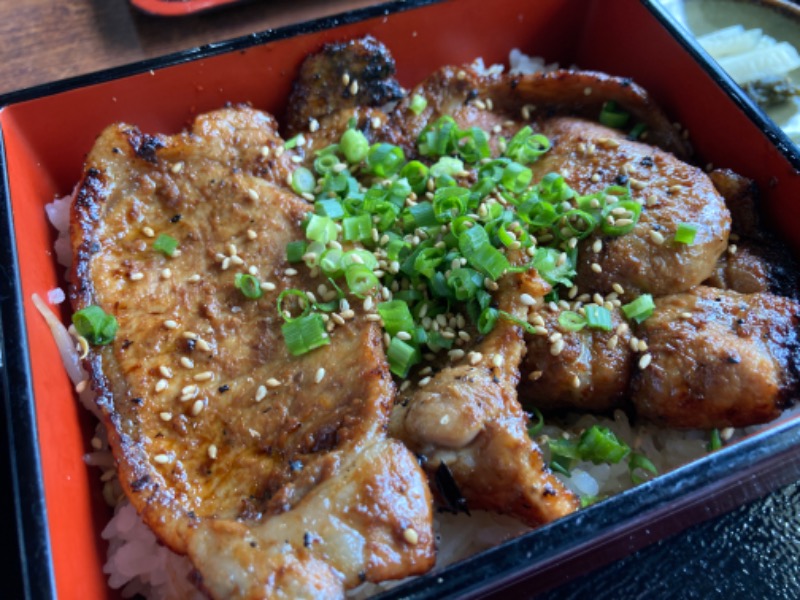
<point x="178" y="8"/>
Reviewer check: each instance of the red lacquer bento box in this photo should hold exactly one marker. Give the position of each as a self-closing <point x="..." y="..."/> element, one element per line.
<point x="47" y="131"/>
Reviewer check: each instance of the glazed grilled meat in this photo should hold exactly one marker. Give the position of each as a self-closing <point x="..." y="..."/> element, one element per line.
<point x="589" y="368"/>
<point x="356" y="73"/>
<point x="592" y="157"/>
<point x="719" y="358"/>
<point x="467" y="417"/>
<point x="220" y="433"/>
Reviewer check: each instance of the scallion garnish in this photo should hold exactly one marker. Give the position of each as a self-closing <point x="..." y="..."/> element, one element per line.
<point x="94" y="324"/>
<point x="295" y="251"/>
<point x="613" y="116"/>
<point x="598" y="317"/>
<point x="166" y="244"/>
<point x="300" y="299"/>
<point x="715" y="441"/>
<point x="571" y="321"/>
<point x="248" y="285"/>
<point x="354" y="145"/>
<point x="537" y="425"/>
<point x="303" y="181"/>
<point x="640" y="309"/>
<point x="686" y="233"/>
<point x="418" y="104"/>
<point x="401" y="356"/>
<point x="641" y="468"/>
<point x="599" y="445"/>
<point x="295" y="141"/>
<point x="305" y="333"/>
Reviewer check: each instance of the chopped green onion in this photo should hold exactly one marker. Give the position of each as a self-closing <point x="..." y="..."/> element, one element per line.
<point x="516" y="177"/>
<point x="598" y="317"/>
<point x="449" y="203"/>
<point x="536" y="427"/>
<point x="477" y="249"/>
<point x="294" y="141"/>
<point x="588" y="500"/>
<point x="715" y="442"/>
<point x="331" y="262"/>
<point x="166" y="244"/>
<point x="384" y="160"/>
<point x="465" y="283"/>
<point x="571" y="321"/>
<point x="354" y="146"/>
<point x="640" y="463"/>
<point x="686" y="233"/>
<point x="610" y="225"/>
<point x="599" y="445"/>
<point x="563" y="453"/>
<point x="612" y="116"/>
<point x="416" y="174"/>
<point x="526" y="147"/>
<point x="473" y="144"/>
<point x="295" y="251"/>
<point x="640" y="309"/>
<point x="636" y="131"/>
<point x="361" y="280"/>
<point x="358" y="228"/>
<point x="326" y="163"/>
<point x="305" y="333"/>
<point x="302" y="300"/>
<point x="329" y="207"/>
<point x="94" y="324"/>
<point x="487" y="320"/>
<point x="396" y="317"/>
<point x="401" y="357"/>
<point x="249" y="286"/>
<point x="418" y="104"/>
<point x="321" y="229"/>
<point x="303" y="181"/>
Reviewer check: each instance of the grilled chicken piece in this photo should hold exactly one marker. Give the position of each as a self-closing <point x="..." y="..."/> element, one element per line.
<point x="467" y="417"/>
<point x="215" y="427"/>
<point x="587" y="369"/>
<point x="356" y="73"/>
<point x="592" y="157"/>
<point x="719" y="358"/>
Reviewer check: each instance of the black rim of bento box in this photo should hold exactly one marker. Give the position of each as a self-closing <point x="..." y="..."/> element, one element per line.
<point x="745" y="103"/>
<point x="696" y="492"/>
<point x="24" y="467"/>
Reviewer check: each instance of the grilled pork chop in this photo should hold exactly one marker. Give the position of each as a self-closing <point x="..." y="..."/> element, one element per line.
<point x="231" y="449"/>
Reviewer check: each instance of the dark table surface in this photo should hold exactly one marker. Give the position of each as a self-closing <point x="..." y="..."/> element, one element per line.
<point x="751" y="552"/>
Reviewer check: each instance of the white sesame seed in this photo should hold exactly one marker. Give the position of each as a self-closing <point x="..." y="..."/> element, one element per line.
<point x="290" y="272"/>
<point x="136" y="276"/>
<point x="456" y="354"/>
<point x="177" y="167"/>
<point x="161" y="459"/>
<point x="165" y="371"/>
<point x="264" y="151"/>
<point x="474" y="358"/>
<point x="187" y="362"/>
<point x="170" y="324"/>
<point x="726" y="433"/>
<point x="148" y="232"/>
<point x="166" y="273"/>
<point x="252" y="194"/>
<point x="268" y="286"/>
<point x="597" y="246"/>
<point x="165" y="416"/>
<point x="641" y="346"/>
<point x="498" y="360"/>
<point x="212" y="452"/>
<point x="373" y="317"/>
<point x="557" y="347"/>
<point x="540" y="330"/>
<point x="320" y="375"/>
<point x="686" y="315"/>
<point x="81" y="386"/>
<point x="424" y="381"/>
<point x="204" y="376"/>
<point x="198" y="407"/>
<point x="353" y="87"/>
<point x="349" y="314"/>
<point x="411" y="536"/>
<point x="161" y="385"/>
<point x="534" y="375"/>
<point x="527" y="299"/>
<point x="194" y="278"/>
<point x="272" y="382"/>
<point x="596" y="268"/>
<point x="618" y="288"/>
<point x="645" y="361"/>
<point x="403" y="335"/>
<point x="576" y="382"/>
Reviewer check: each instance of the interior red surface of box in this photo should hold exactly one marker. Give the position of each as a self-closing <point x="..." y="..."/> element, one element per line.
<point x="47" y="138"/>
<point x="177" y="8"/>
